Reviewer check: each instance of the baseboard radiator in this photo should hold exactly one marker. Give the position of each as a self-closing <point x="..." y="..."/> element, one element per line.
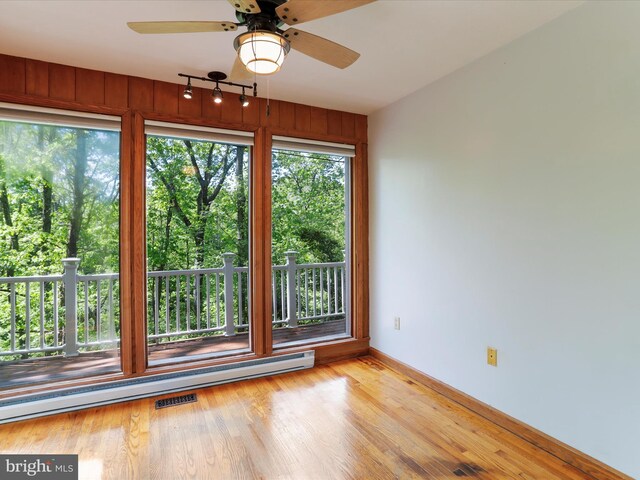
<point x="66" y="400"/>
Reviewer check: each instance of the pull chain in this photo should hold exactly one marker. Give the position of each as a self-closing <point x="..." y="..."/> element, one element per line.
<point x="268" y="98"/>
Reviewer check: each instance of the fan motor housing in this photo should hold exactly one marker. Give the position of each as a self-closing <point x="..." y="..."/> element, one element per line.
<point x="267" y="19"/>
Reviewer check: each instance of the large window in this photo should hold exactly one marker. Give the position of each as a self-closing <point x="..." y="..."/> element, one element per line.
<point x="103" y="276"/>
<point x="197" y="242"/>
<point x="310" y="248"/>
<point x="59" y="245"/>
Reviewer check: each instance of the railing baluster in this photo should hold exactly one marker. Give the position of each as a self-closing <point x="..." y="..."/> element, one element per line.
<point x="217" y="300"/>
<point x="12" y="301"/>
<point x="240" y="317"/>
<point x="56" y="320"/>
<point x="298" y="288"/>
<point x="329" y="290"/>
<point x="187" y="281"/>
<point x="70" y="284"/>
<point x="98" y="309"/>
<point x="167" y="310"/>
<point x="306" y="292"/>
<point x="86" y="312"/>
<point x="112" y="323"/>
<point x="328" y="286"/>
<point x="42" y="332"/>
<point x="323" y="287"/>
<point x="282" y="296"/>
<point x="196" y="279"/>
<point x="292" y="309"/>
<point x="229" y="325"/>
<point x="177" y="303"/>
<point x="315" y="307"/>
<point x="27" y="316"/>
<point x="156" y="305"/>
<point x="335" y="289"/>
<point x="273" y="293"/>
<point x="342" y="286"/>
<point x="208" y="280"/>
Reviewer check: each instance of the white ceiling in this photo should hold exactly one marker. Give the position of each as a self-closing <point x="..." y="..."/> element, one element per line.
<point x="405" y="44"/>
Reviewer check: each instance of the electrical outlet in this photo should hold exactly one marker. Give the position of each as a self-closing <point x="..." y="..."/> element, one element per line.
<point x="492" y="356"/>
<point x="396" y="323"/>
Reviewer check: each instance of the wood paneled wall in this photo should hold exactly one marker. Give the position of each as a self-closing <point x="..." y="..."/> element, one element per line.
<point x="36" y="80"/>
<point x="135" y="99"/>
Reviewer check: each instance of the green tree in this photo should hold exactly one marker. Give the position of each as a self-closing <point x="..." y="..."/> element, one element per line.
<point x="194" y="202"/>
<point x="308" y="196"/>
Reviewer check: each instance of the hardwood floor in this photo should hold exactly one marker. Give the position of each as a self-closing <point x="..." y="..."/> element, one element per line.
<point x="355" y="419"/>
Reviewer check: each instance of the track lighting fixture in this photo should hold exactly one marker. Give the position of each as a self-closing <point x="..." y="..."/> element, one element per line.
<point x="217" y="95"/>
<point x="188" y="92"/>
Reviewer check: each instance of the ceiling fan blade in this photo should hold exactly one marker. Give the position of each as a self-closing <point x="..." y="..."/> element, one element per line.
<point x="320" y="48"/>
<point x="239" y="72"/>
<point x="181" y="27"/>
<point x="295" y="12"/>
<point x="245" y="6"/>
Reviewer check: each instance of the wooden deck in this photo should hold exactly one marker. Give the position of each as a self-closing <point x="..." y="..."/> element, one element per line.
<point x="47" y="369"/>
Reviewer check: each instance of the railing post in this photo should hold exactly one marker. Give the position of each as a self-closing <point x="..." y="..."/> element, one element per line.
<point x="229" y="326"/>
<point x="292" y="304"/>
<point x="70" y="306"/>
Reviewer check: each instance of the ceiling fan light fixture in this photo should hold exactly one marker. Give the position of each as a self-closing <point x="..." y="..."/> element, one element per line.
<point x="261" y="51"/>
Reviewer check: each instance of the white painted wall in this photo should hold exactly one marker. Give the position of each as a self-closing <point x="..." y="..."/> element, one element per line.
<point x="505" y="211"/>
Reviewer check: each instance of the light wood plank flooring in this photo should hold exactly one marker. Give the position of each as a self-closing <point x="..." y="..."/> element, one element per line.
<point x="354" y="419"/>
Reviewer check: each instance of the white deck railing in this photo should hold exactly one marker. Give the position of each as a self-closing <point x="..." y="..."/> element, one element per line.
<point x="73" y="312"/>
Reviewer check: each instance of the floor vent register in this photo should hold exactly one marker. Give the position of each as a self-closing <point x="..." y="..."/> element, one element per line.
<point x="170" y="402"/>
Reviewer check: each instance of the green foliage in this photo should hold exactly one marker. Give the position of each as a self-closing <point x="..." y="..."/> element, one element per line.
<point x="308" y="195"/>
<point x="192" y="208"/>
<point x="322" y="244"/>
<point x="34" y="158"/>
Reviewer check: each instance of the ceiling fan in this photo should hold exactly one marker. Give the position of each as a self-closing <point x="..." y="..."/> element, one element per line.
<point x="262" y="49"/>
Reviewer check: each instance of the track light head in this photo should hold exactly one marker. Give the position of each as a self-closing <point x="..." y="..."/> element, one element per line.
<point x="217" y="95"/>
<point x="244" y="101"/>
<point x="188" y="92"/>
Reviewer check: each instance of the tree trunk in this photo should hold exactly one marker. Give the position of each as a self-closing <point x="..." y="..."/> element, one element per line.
<point x="6" y="213"/>
<point x="198" y="239"/>
<point x="241" y="210"/>
<point x="47" y="190"/>
<point x="80" y="168"/>
<point x="47" y="200"/>
<point x="166" y="239"/>
<point x="5" y="205"/>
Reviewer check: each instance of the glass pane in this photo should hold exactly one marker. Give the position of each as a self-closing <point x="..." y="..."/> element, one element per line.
<point x="197" y="249"/>
<point x="59" y="253"/>
<point x="310" y="227"/>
